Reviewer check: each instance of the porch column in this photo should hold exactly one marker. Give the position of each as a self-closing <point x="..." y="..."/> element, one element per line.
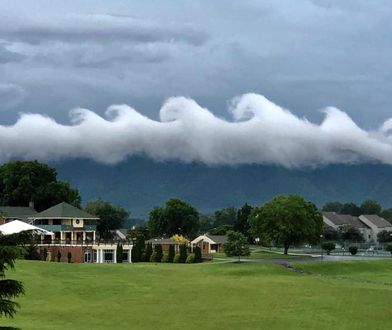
<point x="115" y="256"/>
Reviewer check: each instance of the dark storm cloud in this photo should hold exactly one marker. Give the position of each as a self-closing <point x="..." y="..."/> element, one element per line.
<point x="99" y="28"/>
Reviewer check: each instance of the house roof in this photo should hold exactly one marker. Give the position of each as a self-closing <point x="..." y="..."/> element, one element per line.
<point x="377" y="220"/>
<point x="344" y="219"/>
<point x="161" y="241"/>
<point x="17" y="212"/>
<point x="63" y="211"/>
<point x="218" y="239"/>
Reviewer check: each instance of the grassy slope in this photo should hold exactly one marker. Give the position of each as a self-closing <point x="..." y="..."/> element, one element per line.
<point x="203" y="296"/>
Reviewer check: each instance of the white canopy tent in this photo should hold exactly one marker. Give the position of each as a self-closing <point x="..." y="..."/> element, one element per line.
<point x="16" y="226"/>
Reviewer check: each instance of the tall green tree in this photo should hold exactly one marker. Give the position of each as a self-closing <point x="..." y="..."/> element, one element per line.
<point x="111" y="216"/>
<point x="287" y="220"/>
<point x="148" y="252"/>
<point x="171" y="253"/>
<point x="333" y="207"/>
<point x="351" y="208"/>
<point x="242" y="224"/>
<point x="25" y="181"/>
<point x="236" y="245"/>
<point x="177" y="217"/>
<point x="138" y="248"/>
<point x="226" y="216"/>
<point x="370" y="206"/>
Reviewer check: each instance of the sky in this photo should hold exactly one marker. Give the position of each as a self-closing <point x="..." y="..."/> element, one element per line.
<point x="313" y="58"/>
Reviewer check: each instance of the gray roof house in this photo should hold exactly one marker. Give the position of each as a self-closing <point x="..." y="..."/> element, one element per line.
<point x="336" y="221"/>
<point x="376" y="223"/>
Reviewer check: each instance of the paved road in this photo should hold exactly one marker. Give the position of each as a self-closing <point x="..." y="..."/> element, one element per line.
<point x="288" y="261"/>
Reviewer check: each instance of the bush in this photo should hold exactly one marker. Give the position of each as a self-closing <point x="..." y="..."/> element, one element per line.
<point x="69" y="257"/>
<point x="32" y="252"/>
<point x="158" y="252"/>
<point x="165" y="258"/>
<point x="58" y="256"/>
<point x="198" y="257"/>
<point x="190" y="259"/>
<point x="328" y="246"/>
<point x="155" y="257"/>
<point x="183" y="253"/>
<point x="389" y="248"/>
<point x="176" y="259"/>
<point x="353" y="250"/>
<point x="171" y="254"/>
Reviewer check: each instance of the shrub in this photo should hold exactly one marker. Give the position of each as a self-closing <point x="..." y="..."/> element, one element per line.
<point x="171" y="254"/>
<point x="159" y="253"/>
<point x="389" y="248"/>
<point x="190" y="259"/>
<point x="198" y="257"/>
<point x="58" y="256"/>
<point x="328" y="246"/>
<point x="183" y="253"/>
<point x="165" y="258"/>
<point x="153" y="257"/>
<point x="69" y="257"/>
<point x="45" y="254"/>
<point x="176" y="259"/>
<point x="353" y="250"/>
<point x="32" y="253"/>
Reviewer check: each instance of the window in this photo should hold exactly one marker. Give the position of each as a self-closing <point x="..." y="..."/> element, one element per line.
<point x="125" y="255"/>
<point x="108" y="255"/>
<point x="56" y="221"/>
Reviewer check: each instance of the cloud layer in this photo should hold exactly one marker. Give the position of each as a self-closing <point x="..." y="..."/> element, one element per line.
<point x="261" y="132"/>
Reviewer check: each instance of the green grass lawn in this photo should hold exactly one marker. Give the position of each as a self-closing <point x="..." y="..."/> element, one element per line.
<point x="346" y="295"/>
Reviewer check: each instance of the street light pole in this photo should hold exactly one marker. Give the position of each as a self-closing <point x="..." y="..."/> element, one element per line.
<point x="321" y="246"/>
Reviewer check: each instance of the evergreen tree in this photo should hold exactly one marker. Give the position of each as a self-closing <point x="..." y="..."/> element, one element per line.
<point x="198" y="257"/>
<point x="69" y="257"/>
<point x="9" y="289"/>
<point x="138" y="249"/>
<point x="171" y="254"/>
<point x="148" y="252"/>
<point x="119" y="253"/>
<point x="183" y="253"/>
<point x="58" y="256"/>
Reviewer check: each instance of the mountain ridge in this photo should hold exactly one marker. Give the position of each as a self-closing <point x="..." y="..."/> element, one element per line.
<point x="139" y="183"/>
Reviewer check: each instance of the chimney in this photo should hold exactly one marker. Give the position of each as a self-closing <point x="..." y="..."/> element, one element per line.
<point x="31" y="204"/>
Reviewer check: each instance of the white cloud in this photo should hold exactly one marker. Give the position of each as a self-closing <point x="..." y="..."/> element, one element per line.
<point x="261" y="132"/>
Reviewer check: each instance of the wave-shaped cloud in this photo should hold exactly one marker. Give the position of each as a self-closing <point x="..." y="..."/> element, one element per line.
<point x="261" y="132"/>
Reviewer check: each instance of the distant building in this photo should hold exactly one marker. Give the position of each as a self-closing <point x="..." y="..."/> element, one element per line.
<point x="376" y="223"/>
<point x="165" y="243"/>
<point x="10" y="213"/>
<point x="337" y="221"/>
<point x="209" y="243"/>
<point x="74" y="230"/>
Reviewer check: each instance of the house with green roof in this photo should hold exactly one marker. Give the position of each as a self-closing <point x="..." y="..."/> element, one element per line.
<point x="10" y="213"/>
<point x="74" y="231"/>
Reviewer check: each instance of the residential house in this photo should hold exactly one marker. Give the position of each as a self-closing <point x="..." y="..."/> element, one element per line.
<point x="337" y="221"/>
<point x="21" y="213"/>
<point x="165" y="243"/>
<point x="74" y="230"/>
<point x="376" y="223"/>
<point x="209" y="243"/>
